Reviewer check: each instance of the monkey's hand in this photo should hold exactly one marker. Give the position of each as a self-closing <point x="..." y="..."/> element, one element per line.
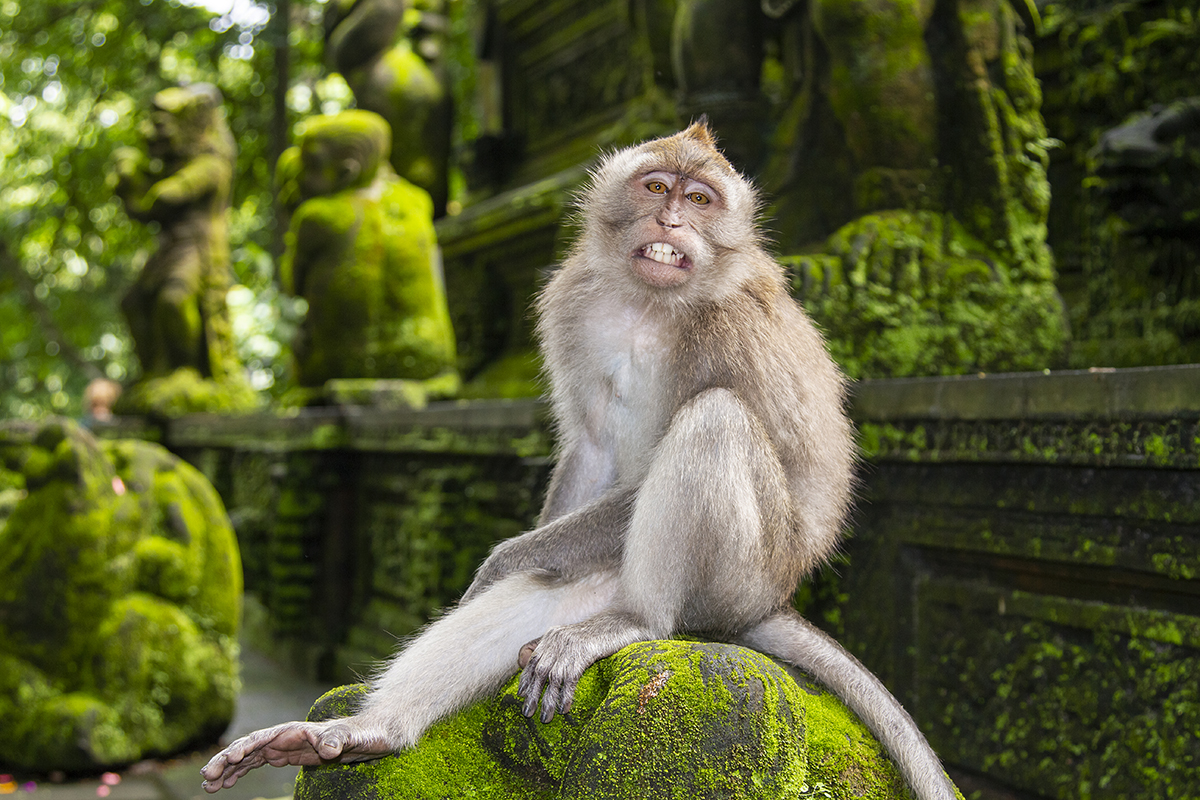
<point x="337" y="741"/>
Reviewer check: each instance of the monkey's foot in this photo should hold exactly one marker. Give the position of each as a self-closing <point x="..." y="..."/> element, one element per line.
<point x="553" y="664"/>
<point x="338" y="741"/>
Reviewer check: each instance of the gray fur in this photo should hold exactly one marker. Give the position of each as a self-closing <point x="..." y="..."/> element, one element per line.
<point x="706" y="467"/>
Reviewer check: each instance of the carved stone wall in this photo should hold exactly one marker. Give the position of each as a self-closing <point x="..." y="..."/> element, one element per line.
<point x="1025" y="574"/>
<point x="356" y="525"/>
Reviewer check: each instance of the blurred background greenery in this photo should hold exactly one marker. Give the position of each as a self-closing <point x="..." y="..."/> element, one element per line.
<point x="75" y="77"/>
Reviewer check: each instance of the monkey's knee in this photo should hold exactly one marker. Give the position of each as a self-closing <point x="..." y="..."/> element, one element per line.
<point x="714" y="414"/>
<point x="715" y="436"/>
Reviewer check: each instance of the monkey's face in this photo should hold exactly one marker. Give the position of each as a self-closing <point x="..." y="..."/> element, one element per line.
<point x="667" y="236"/>
<point x="672" y="210"/>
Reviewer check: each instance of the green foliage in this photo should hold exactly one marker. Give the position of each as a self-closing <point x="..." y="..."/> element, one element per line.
<point x="75" y="79"/>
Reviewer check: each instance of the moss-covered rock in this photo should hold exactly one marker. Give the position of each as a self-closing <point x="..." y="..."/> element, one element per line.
<point x="119" y="605"/>
<point x="659" y="719"/>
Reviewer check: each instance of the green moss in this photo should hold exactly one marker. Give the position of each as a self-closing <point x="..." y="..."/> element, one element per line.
<point x="1102" y="67"/>
<point x="657" y="720"/>
<point x="912" y="293"/>
<point x="1052" y="681"/>
<point x="185" y="391"/>
<point x="394" y="393"/>
<point x="365" y="258"/>
<point x="514" y="375"/>
<point x="131" y="649"/>
<point x="176" y="308"/>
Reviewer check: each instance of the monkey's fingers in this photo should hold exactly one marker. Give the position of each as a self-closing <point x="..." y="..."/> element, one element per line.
<point x="544" y="680"/>
<point x="245" y="754"/>
<point x="530" y="686"/>
<point x="559" y="696"/>
<point x="292" y="744"/>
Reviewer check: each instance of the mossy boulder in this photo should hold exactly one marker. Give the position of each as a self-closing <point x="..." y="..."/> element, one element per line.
<point x="913" y="293"/>
<point x="119" y="605"/>
<point x="660" y="719"/>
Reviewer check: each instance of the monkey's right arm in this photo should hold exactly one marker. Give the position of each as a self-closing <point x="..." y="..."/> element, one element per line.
<point x="584" y="472"/>
<point x="581" y="526"/>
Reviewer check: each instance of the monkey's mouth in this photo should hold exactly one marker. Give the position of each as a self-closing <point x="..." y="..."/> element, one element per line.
<point x="664" y="253"/>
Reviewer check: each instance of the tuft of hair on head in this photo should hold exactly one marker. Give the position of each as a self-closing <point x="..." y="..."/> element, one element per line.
<point x="700" y="131"/>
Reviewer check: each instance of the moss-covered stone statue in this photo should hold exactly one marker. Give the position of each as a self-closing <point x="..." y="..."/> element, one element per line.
<point x="663" y="719"/>
<point x="909" y="171"/>
<point x="119" y="602"/>
<point x="361" y="251"/>
<point x="1143" y="266"/>
<point x="176" y="308"/>
<point x="390" y="54"/>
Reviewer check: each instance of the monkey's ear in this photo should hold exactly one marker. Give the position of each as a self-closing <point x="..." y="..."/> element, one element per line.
<point x="699" y="131"/>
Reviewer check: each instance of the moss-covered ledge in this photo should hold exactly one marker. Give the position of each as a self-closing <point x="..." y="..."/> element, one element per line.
<point x="1145" y="417"/>
<point x="483" y="427"/>
<point x="1158" y="392"/>
<point x="509" y="215"/>
<point x="1028" y="548"/>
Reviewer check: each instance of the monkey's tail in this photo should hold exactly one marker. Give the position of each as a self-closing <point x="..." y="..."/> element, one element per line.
<point x="788" y="636"/>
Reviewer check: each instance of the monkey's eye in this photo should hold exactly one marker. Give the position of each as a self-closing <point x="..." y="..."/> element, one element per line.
<point x="658" y="187"/>
<point x="699" y="198"/>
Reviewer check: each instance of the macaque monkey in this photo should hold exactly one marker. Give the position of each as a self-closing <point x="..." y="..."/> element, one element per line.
<point x="705" y="467"/>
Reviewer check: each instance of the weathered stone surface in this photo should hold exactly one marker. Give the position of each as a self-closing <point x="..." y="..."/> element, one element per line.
<point x="913" y="293"/>
<point x="910" y="170"/>
<point x="361" y="251"/>
<point x="1145" y="182"/>
<point x="176" y="310"/>
<point x="119" y="605"/>
<point x="394" y="68"/>
<point x="1123" y="221"/>
<point x="657" y="720"/>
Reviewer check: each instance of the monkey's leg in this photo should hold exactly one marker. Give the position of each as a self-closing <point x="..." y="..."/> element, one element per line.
<point x="790" y="637"/>
<point x="699" y="551"/>
<point x="461" y="657"/>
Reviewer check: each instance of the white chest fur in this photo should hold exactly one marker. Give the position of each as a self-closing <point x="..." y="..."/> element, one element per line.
<point x="623" y="391"/>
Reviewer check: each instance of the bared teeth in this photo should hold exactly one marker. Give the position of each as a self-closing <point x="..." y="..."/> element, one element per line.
<point x="663" y="253"/>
